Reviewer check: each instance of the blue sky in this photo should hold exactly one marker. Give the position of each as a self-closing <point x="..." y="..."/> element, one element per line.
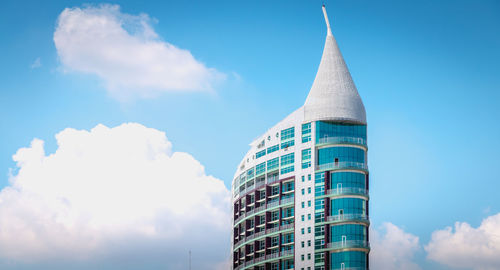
<point x="428" y="73"/>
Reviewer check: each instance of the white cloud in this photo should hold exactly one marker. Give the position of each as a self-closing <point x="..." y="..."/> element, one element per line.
<point x="36" y="64"/>
<point x="467" y="247"/>
<point x="126" y="52"/>
<point x="112" y="191"/>
<point x="393" y="248"/>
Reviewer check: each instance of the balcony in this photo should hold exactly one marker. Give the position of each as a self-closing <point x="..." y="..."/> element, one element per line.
<point x="276" y="229"/>
<point x="342" y="165"/>
<point x="268" y="257"/>
<point x="264" y="207"/>
<point x="341" y="140"/>
<point x="349" y="244"/>
<point x="348" y="217"/>
<point x="347" y="191"/>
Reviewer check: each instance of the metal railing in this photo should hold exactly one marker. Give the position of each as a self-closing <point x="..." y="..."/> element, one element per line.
<point x="347" y="191"/>
<point x="271" y="256"/>
<point x="264" y="232"/>
<point x="342" y="165"/>
<point x="349" y="244"/>
<point x="266" y="206"/>
<point x="348" y="217"/>
<point x="342" y="140"/>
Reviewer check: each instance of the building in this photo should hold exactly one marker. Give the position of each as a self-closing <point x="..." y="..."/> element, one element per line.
<point x="300" y="194"/>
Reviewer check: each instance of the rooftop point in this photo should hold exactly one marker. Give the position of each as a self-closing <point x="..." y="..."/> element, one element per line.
<point x="333" y="95"/>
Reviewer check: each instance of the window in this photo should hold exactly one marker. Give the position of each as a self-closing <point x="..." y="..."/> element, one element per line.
<point x="260" y="154"/>
<point x="287" y="169"/>
<point x="288" y="133"/>
<point x="341" y="156"/>
<point x="287" y="144"/>
<point x="308" y="256"/>
<point x="275" y="190"/>
<point x="275" y="215"/>
<point x="303" y="191"/>
<point x="303" y="204"/>
<point x="303" y="178"/>
<point x="308" y="177"/>
<point x="288" y="186"/>
<point x="287" y="159"/>
<point x="309" y="203"/>
<point x="309" y="190"/>
<point x="308" y="243"/>
<point x="306" y="164"/>
<point x="302" y="231"/>
<point x="308" y="229"/>
<point x="306" y="158"/>
<point x="273" y="148"/>
<point x="274" y="241"/>
<point x="302" y="257"/>
<point x="306" y="154"/>
<point x="306" y="132"/>
<point x="308" y="216"/>
<point x="302" y="217"/>
<point x="260" y="168"/>
<point x="272" y="164"/>
<point x="302" y="244"/>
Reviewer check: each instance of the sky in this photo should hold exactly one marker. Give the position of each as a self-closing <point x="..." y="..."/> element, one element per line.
<point x="112" y="111"/>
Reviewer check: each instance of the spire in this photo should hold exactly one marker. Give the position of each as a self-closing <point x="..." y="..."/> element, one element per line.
<point x="329" y="30"/>
<point x="333" y="95"/>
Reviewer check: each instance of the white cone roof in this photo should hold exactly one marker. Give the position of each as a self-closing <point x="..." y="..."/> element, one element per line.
<point x="333" y="95"/>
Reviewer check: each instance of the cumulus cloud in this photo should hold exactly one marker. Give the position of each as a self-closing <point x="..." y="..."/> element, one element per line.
<point x="113" y="192"/>
<point x="126" y="53"/>
<point x="466" y="246"/>
<point x="393" y="248"/>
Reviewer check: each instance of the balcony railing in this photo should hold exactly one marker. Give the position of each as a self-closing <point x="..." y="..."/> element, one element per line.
<point x="348" y="217"/>
<point x="347" y="191"/>
<point x="259" y="234"/>
<point x="342" y="165"/>
<point x="342" y="140"/>
<point x="260" y="208"/>
<point x="276" y="255"/>
<point x="349" y="244"/>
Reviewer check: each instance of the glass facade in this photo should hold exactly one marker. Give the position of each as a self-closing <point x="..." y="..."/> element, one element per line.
<point x="348" y="179"/>
<point x="334" y="129"/>
<point x="340" y="154"/>
<point x="348" y="260"/>
<point x="348" y="206"/>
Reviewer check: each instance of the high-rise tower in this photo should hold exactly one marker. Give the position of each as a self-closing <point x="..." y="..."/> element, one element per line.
<point x="300" y="195"/>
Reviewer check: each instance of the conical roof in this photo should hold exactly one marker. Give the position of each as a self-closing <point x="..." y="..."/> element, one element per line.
<point x="333" y="95"/>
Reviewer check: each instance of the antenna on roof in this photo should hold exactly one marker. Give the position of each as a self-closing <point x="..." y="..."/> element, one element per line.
<point x="327" y="21"/>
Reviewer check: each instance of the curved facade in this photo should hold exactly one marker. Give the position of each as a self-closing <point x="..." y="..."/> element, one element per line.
<point x="300" y="194"/>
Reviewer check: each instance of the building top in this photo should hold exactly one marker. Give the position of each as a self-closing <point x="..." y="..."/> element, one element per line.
<point x="333" y="95"/>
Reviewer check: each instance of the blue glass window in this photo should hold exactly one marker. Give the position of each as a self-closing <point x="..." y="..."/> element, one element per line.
<point x="260" y="168"/>
<point x="330" y="129"/>
<point x="260" y="154"/>
<point x="350" y="231"/>
<point x="272" y="164"/>
<point x="340" y="154"/>
<point x="287" y="169"/>
<point x="273" y="148"/>
<point x="349" y="259"/>
<point x="287" y="159"/>
<point x="306" y="132"/>
<point x="287" y="144"/>
<point x="348" y="206"/>
<point x="348" y="179"/>
<point x="288" y="133"/>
